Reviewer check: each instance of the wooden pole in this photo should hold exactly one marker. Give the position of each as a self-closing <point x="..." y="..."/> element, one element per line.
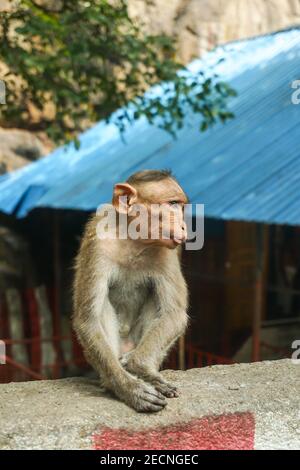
<point x="258" y="300"/>
<point x="181" y="352"/>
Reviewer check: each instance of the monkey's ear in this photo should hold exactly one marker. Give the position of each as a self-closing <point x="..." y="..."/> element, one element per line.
<point x="123" y="197"/>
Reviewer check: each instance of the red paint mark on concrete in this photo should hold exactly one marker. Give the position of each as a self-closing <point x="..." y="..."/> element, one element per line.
<point x="230" y="431"/>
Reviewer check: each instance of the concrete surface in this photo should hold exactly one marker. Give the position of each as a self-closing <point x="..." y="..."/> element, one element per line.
<point x="233" y="406"/>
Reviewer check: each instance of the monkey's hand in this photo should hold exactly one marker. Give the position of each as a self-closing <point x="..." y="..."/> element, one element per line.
<point x="145" y="372"/>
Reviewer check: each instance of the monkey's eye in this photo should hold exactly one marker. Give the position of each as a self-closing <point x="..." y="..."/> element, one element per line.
<point x="174" y="203"/>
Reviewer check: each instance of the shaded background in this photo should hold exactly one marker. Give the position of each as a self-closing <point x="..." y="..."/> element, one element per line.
<point x="245" y="280"/>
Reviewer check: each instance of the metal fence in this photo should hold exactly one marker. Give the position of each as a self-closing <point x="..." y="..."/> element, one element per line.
<point x="14" y="371"/>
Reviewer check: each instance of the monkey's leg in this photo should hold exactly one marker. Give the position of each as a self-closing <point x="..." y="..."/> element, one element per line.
<point x="146" y="371"/>
<point x="99" y="343"/>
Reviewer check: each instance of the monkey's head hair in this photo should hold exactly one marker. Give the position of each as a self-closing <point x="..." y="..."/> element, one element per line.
<point x="149" y="176"/>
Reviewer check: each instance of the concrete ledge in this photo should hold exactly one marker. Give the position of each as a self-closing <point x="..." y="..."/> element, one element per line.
<point x="234" y="406"/>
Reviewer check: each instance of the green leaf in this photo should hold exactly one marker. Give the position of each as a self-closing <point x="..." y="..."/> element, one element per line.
<point x="90" y="59"/>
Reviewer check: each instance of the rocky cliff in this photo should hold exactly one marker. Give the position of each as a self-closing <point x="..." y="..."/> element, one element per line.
<point x="199" y="25"/>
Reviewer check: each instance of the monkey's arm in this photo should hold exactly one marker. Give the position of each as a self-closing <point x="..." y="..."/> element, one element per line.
<point x="88" y="321"/>
<point x="169" y="324"/>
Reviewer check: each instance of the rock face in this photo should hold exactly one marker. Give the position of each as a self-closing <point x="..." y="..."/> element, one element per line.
<point x="199" y="25"/>
<point x="5" y="5"/>
<point x="242" y="406"/>
<point x="17" y="148"/>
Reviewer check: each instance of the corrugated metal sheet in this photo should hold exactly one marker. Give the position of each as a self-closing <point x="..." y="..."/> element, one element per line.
<point x="247" y="169"/>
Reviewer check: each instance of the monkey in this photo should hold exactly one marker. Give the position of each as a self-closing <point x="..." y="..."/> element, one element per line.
<point x="130" y="297"/>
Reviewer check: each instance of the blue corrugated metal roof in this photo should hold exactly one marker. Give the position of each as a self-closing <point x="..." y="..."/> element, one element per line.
<point x="247" y="169"/>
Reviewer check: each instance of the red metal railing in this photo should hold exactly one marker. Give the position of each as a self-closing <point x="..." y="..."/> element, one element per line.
<point x="198" y="358"/>
<point x="14" y="371"/>
<point x="32" y="355"/>
<point x="194" y="357"/>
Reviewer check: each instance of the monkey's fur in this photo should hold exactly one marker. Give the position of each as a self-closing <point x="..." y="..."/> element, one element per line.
<point x="126" y="292"/>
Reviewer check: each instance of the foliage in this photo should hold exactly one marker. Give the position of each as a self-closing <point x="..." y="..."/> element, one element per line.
<point x="80" y="63"/>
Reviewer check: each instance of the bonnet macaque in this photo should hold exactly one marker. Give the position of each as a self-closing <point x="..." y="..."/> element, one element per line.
<point x="130" y="297"/>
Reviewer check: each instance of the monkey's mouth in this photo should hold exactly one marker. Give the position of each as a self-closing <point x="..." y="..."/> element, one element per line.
<point x="177" y="241"/>
<point x="183" y="241"/>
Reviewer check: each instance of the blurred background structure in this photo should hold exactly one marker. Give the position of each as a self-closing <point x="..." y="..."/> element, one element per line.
<point x="245" y="282"/>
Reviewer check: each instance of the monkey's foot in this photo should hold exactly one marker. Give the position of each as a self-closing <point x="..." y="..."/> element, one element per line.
<point x="145" y="398"/>
<point x="167" y="389"/>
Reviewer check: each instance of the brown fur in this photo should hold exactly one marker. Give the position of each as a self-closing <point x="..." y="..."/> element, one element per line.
<point x="130" y="302"/>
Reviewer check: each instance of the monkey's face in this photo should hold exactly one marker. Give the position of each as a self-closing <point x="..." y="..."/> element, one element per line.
<point x="154" y="211"/>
